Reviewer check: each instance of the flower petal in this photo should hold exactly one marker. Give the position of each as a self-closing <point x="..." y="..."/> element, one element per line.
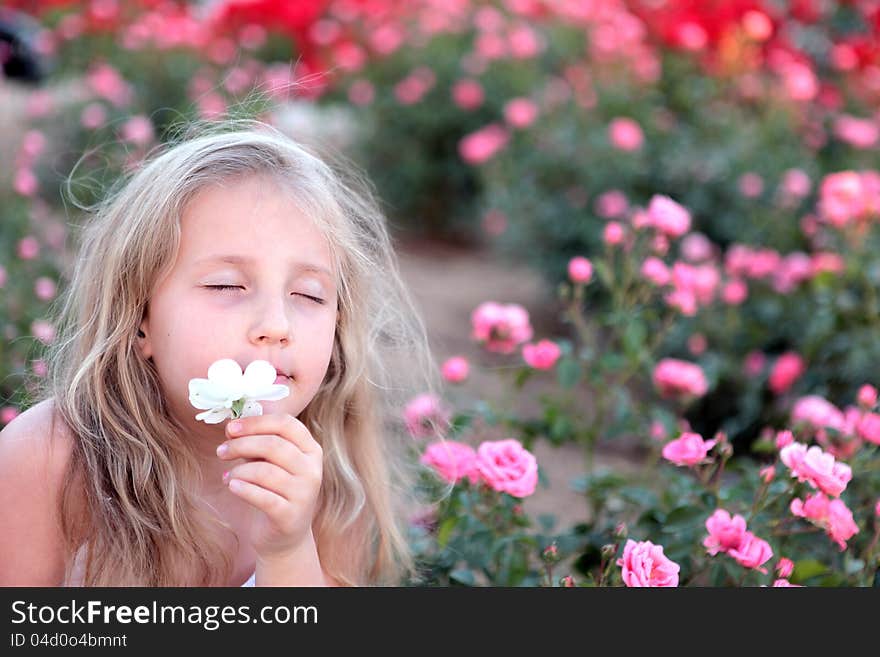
<point x="225" y="372"/>
<point x="214" y="415"/>
<point x="251" y="408"/>
<point x="206" y="394"/>
<point x="271" y="393"/>
<point x="258" y="375"/>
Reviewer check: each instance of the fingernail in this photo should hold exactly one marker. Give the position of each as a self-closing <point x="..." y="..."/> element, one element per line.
<point x="222" y="449"/>
<point x="234" y="427"/>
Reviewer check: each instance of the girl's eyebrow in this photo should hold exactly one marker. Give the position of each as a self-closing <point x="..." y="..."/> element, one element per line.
<point x="245" y="260"/>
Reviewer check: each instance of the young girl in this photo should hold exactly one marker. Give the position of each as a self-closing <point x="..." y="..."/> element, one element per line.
<point x="234" y="243"/>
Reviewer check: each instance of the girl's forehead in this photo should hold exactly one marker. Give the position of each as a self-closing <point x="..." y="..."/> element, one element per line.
<point x="249" y="217"/>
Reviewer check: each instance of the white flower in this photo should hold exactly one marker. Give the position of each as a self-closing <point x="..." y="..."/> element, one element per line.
<point x="227" y="393"/>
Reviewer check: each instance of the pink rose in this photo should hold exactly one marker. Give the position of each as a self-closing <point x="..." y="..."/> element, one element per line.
<point x="784" y="583"/>
<point x="783" y="438"/>
<point x="867" y="396"/>
<point x="689" y="449"/>
<point x="847" y="196"/>
<point x="468" y="94"/>
<point x="816" y="467"/>
<point x="786" y="370"/>
<point x="613" y="233"/>
<point x="860" y="133"/>
<point x="500" y="327"/>
<point x="818" y="412"/>
<point x="44" y="288"/>
<point x="868" y="427"/>
<point x="644" y="564"/>
<point x="725" y="532"/>
<point x="754" y="363"/>
<point x="452" y="460"/>
<point x="678" y="377"/>
<point x="611" y="204"/>
<point x="796" y="183"/>
<point x="580" y="270"/>
<point x="831" y="515"/>
<point x="696" y="247"/>
<point x="28" y="248"/>
<point x="785" y="567"/>
<point x="138" y="130"/>
<point x="425" y="416"/>
<point x="44" y="331"/>
<point x="507" y="467"/>
<point x="667" y="216"/>
<point x="482" y="145"/>
<point x="751" y="185"/>
<point x="25" y="182"/>
<point x="455" y="369"/>
<point x="752" y="552"/>
<point x="625" y="134"/>
<point x="656" y="271"/>
<point x="520" y="112"/>
<point x="543" y="355"/>
<point x="8" y="414"/>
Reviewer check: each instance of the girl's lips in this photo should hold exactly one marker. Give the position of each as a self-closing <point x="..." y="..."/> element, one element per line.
<point x="282" y="379"/>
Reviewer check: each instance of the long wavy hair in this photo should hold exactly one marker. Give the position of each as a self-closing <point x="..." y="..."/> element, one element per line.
<point x="144" y="523"/>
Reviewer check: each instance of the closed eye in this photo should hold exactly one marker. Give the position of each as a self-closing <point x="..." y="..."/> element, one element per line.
<point x="239" y="287"/>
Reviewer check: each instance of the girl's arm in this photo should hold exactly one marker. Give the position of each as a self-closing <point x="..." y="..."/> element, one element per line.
<point x="32" y="465"/>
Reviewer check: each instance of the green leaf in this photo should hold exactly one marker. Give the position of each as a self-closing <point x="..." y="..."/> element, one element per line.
<point x="568" y="372"/>
<point x="806" y="569"/>
<point x="522" y="376"/>
<point x="445" y="531"/>
<point x="634" y="337"/>
<point x="684" y="517"/>
<point x="463" y="576"/>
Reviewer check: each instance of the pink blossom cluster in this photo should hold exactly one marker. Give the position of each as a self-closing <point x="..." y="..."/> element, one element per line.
<point x="817" y="468"/>
<point x="693" y="286"/>
<point x="426" y="415"/>
<point x="480" y="146"/>
<point x="503" y="465"/>
<point x="784" y="273"/>
<point x="728" y="534"/>
<point x="688" y="449"/>
<point x="541" y="355"/>
<point x="643" y="564"/>
<point x="832" y="515"/>
<point x="787" y="369"/>
<point x="500" y="327"/>
<point x="849" y="196"/>
<point x="673" y="377"/>
<point x="25" y="180"/>
<point x="840" y="432"/>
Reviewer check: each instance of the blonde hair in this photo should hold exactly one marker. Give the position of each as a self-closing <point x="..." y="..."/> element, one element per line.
<point x="145" y="524"/>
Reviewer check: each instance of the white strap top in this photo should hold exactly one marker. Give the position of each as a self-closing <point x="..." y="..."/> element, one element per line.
<point x="252" y="581"/>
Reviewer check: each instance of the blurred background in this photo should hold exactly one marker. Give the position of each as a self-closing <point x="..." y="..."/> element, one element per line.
<point x="506" y="137"/>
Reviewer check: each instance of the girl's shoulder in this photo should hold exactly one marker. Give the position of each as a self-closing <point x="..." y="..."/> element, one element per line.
<point x="38" y="437"/>
<point x="35" y="450"/>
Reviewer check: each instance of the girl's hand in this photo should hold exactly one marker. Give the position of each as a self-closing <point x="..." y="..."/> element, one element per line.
<point x="282" y="481"/>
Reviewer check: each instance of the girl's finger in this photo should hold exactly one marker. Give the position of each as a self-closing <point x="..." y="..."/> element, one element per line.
<point x="264" y="500"/>
<point x="266" y="475"/>
<point x="271" y="448"/>
<point x="285" y="425"/>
